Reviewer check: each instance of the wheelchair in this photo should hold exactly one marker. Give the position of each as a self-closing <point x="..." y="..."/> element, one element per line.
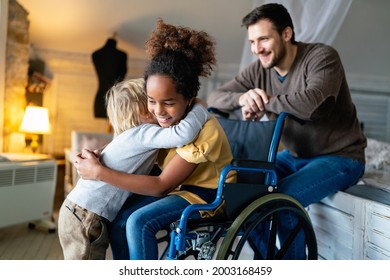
<point x="253" y="207"/>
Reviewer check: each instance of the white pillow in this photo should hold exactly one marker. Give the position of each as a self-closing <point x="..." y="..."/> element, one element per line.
<point x="377" y="155"/>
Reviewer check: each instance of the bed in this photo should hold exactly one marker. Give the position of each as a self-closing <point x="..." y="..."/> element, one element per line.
<point x="375" y="184"/>
<point x="355" y="223"/>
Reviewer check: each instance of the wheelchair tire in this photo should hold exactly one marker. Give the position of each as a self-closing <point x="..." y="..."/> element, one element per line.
<point x="265" y="210"/>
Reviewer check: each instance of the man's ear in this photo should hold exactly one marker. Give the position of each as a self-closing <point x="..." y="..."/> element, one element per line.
<point x="287" y="34"/>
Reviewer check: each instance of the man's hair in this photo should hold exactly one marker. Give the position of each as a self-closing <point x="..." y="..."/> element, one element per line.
<point x="277" y="14"/>
<point x="125" y="103"/>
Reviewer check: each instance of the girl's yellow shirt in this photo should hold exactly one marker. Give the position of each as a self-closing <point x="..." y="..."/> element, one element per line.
<point x="211" y="151"/>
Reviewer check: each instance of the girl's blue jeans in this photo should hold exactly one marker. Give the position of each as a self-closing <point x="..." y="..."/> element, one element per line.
<point x="307" y="180"/>
<point x="133" y="232"/>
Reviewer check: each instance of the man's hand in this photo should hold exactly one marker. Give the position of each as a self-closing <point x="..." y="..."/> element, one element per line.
<point x="252" y="104"/>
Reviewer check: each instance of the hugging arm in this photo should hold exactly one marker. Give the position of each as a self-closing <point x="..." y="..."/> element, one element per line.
<point x="171" y="177"/>
<point x="178" y="135"/>
<point x="90" y="168"/>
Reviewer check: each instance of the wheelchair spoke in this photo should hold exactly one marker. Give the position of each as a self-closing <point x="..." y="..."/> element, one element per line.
<point x="257" y="254"/>
<point x="247" y="229"/>
<point x="285" y="246"/>
<point x="273" y="236"/>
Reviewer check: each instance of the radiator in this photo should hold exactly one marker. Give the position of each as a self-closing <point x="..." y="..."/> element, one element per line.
<point x="27" y="190"/>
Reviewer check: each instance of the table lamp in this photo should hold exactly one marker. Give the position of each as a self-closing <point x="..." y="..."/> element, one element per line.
<point x="35" y="122"/>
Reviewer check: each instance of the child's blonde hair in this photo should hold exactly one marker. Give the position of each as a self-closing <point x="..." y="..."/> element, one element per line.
<point x="125" y="102"/>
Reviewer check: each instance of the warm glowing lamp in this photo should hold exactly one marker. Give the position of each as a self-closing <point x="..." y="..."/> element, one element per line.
<point x="35" y="121"/>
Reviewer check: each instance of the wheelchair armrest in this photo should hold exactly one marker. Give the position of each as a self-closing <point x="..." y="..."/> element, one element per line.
<point x="253" y="164"/>
<point x="246" y="165"/>
<point x="177" y="236"/>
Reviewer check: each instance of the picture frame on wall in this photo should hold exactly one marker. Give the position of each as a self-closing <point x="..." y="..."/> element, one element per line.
<point x="37" y="84"/>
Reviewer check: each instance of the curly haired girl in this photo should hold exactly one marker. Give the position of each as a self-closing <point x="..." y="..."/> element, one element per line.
<point x="179" y="56"/>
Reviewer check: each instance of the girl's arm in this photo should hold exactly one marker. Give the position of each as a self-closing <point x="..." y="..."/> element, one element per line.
<point x="184" y="132"/>
<point x="178" y="170"/>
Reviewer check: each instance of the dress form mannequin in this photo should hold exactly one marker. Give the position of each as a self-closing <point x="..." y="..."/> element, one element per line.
<point x="111" y="66"/>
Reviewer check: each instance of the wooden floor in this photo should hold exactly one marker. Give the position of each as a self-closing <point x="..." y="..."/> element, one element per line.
<point x="20" y="242"/>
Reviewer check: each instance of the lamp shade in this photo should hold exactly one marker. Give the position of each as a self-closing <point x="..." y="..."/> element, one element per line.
<point x="35" y="120"/>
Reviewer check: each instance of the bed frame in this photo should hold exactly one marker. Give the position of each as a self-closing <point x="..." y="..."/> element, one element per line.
<point x="354" y="224"/>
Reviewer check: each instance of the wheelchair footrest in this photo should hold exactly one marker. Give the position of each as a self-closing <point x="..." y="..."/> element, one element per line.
<point x="206" y="251"/>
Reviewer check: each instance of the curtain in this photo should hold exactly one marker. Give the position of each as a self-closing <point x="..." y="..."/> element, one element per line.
<point x="314" y="21"/>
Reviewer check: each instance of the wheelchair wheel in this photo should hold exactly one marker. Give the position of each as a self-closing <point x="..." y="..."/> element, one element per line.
<point x="262" y="218"/>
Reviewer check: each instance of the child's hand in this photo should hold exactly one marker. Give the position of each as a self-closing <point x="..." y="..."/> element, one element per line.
<point x="97" y="152"/>
<point x="84" y="152"/>
<point x="201" y="102"/>
<point x="87" y="165"/>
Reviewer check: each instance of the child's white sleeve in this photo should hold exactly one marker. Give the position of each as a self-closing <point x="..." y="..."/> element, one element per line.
<point x="177" y="135"/>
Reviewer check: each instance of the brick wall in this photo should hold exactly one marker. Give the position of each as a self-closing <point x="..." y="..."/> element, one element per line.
<point x="17" y="54"/>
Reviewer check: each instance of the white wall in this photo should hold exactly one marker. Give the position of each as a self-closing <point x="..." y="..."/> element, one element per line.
<point x="363" y="44"/>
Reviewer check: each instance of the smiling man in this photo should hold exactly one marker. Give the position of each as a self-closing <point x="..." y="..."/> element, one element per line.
<point x="325" y="147"/>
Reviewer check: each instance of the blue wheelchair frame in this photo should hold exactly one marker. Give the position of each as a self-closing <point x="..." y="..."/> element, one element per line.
<point x="179" y="235"/>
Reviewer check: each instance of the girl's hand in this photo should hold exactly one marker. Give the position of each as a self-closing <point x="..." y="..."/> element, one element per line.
<point x="87" y="165"/>
<point x="201" y="102"/>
